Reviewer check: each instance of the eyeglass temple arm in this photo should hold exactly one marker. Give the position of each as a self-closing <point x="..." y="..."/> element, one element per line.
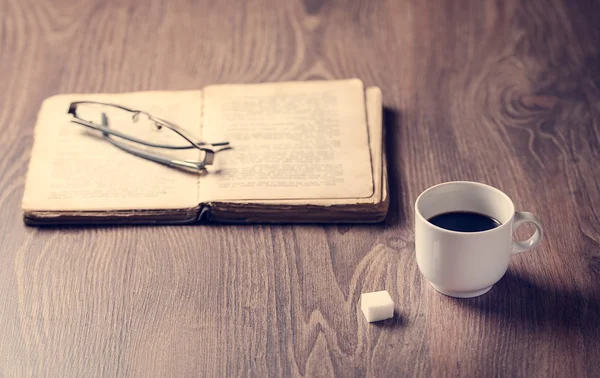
<point x="185" y="136"/>
<point x="187" y="165"/>
<point x="200" y="145"/>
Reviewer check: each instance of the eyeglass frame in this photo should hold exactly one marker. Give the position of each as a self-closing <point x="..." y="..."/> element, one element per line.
<point x="188" y="165"/>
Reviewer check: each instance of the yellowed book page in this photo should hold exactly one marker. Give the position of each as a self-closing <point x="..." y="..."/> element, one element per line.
<point x="75" y="169"/>
<point x="293" y="140"/>
<point x="375" y="126"/>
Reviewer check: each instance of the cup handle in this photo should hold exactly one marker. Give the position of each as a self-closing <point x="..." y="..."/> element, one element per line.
<point x="524" y="217"/>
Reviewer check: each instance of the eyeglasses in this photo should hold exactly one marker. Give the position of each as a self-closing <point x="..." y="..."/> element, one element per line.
<point x="122" y="126"/>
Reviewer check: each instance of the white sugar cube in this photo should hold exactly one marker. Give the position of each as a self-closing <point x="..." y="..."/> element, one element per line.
<point x="377" y="306"/>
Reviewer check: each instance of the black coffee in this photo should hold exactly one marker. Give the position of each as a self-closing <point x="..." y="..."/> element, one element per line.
<point x="464" y="221"/>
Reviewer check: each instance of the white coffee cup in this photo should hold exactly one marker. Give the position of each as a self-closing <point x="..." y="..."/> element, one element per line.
<point x="468" y="264"/>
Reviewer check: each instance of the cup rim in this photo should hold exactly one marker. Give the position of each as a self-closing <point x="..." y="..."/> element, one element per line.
<point x="474" y="183"/>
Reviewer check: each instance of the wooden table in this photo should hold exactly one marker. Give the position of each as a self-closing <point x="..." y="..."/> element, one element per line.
<point x="502" y="92"/>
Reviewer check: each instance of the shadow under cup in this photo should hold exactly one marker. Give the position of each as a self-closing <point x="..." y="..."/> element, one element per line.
<point x="463" y="264"/>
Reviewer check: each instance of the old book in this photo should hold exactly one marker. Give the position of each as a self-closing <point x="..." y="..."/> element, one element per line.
<point x="302" y="152"/>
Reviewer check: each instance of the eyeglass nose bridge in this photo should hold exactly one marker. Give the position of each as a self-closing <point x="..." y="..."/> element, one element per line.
<point x="209" y="158"/>
<point x="195" y="165"/>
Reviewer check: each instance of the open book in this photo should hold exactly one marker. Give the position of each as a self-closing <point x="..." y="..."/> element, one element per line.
<point x="302" y="152"/>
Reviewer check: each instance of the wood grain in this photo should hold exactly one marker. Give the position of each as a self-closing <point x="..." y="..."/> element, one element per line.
<point x="502" y="92"/>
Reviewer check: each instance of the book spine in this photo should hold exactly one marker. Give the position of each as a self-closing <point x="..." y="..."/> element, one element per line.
<point x="203" y="214"/>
